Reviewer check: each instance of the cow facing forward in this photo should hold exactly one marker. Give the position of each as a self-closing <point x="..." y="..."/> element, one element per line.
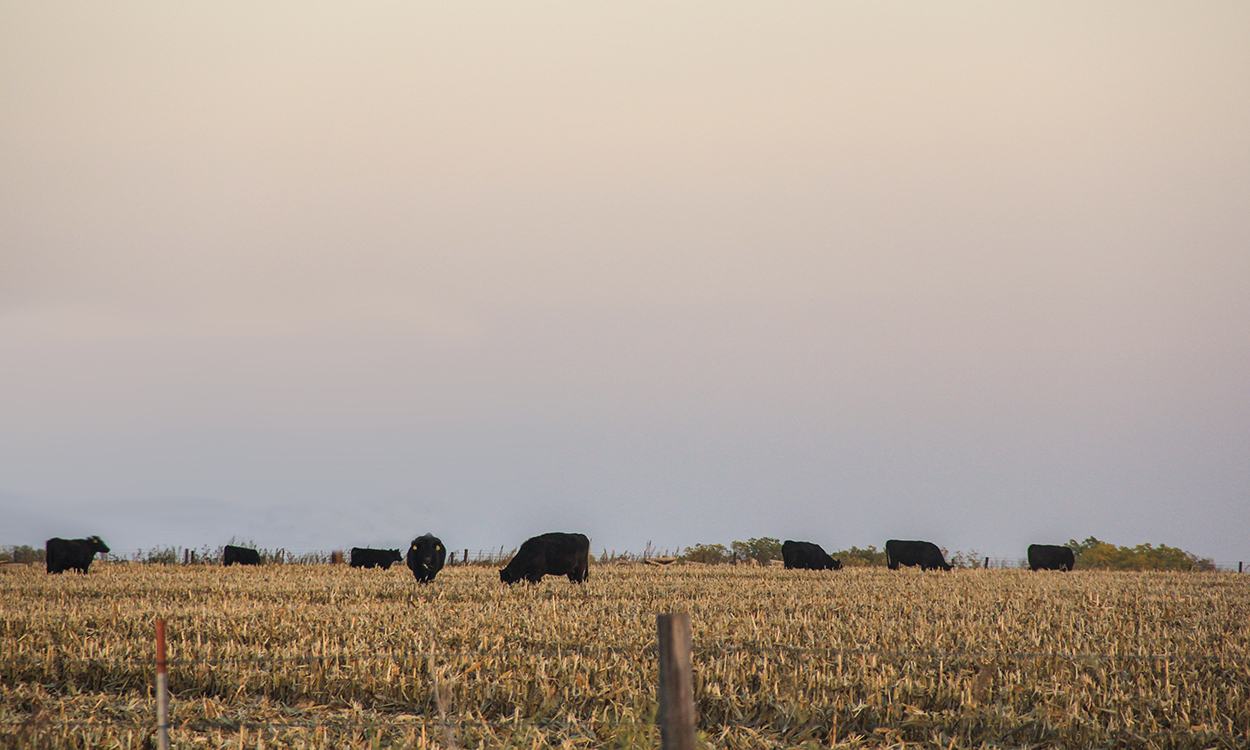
<point x="233" y="555"/>
<point x="364" y="557"/>
<point x="807" y="556"/>
<point x="426" y="556"/>
<point x="72" y="554"/>
<point x="925" y="554"/>
<point x="1051" y="557"/>
<point x="554" y="554"/>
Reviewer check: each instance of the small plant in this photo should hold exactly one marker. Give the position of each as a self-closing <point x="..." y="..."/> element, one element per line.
<point x="965" y="559"/>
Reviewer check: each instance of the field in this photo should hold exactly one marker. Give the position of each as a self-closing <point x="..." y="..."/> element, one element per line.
<point x="326" y="656"/>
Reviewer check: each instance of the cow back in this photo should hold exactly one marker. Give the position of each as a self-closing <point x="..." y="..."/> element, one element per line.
<point x="555" y="553"/>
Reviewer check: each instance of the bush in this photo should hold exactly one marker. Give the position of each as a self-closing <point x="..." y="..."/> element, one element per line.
<point x="709" y="554"/>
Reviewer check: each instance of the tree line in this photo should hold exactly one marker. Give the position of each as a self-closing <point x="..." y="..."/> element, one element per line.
<point x="1091" y="554"/>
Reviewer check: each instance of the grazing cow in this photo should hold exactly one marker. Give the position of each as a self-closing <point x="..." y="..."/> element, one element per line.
<point x="807" y="556"/>
<point x="925" y="554"/>
<point x="363" y="557"/>
<point x="426" y="556"/>
<point x="72" y="554"/>
<point x="1051" y="557"/>
<point x="240" y="556"/>
<point x="554" y="554"/>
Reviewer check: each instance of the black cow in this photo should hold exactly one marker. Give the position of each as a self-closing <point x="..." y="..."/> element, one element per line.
<point x="807" y="556"/>
<point x="554" y="554"/>
<point x="72" y="554"/>
<point x="363" y="557"/>
<point x="925" y="554"/>
<point x="240" y="556"/>
<point x="1051" y="557"/>
<point x="426" y="556"/>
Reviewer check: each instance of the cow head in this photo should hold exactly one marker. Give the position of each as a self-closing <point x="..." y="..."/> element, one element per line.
<point x="97" y="544"/>
<point x="425" y="551"/>
<point x="837" y="565"/>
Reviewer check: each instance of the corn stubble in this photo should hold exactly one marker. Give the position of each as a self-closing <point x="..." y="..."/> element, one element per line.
<point x="321" y="656"/>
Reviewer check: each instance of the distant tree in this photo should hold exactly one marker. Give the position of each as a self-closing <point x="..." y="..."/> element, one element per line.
<point x="710" y="554"/>
<point x="1080" y="548"/>
<point x="763" y="549"/>
<point x="1094" y="553"/>
<point x="860" y="558"/>
<point x="21" y="553"/>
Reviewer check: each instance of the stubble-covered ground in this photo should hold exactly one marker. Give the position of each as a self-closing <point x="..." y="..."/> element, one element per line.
<point x="328" y="656"/>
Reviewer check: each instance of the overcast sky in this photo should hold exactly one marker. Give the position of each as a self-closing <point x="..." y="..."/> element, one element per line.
<point x="329" y="274"/>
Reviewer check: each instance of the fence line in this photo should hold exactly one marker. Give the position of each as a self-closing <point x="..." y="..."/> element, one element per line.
<point x="498" y="552"/>
<point x="498" y="556"/>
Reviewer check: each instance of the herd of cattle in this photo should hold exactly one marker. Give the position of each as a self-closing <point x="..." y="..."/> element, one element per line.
<point x="559" y="554"/>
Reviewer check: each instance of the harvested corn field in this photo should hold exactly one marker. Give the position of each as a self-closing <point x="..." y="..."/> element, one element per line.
<point x="328" y="656"/>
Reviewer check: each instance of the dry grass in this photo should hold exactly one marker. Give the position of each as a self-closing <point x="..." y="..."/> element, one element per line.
<point x="320" y="656"/>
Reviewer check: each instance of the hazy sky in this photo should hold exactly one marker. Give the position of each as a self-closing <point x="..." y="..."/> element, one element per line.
<point x="324" y="274"/>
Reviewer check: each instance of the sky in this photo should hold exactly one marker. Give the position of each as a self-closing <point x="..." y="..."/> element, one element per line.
<point x="319" y="275"/>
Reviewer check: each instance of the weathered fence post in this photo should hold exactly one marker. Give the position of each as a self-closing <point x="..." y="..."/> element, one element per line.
<point x="987" y="563"/>
<point x="676" y="694"/>
<point x="466" y="557"/>
<point x="1239" y="566"/>
<point x="162" y="689"/>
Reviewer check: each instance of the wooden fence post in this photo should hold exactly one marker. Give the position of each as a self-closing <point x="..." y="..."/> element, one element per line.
<point x="162" y="689"/>
<point x="466" y="557"/>
<point x="987" y="563"/>
<point x="676" y="694"/>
